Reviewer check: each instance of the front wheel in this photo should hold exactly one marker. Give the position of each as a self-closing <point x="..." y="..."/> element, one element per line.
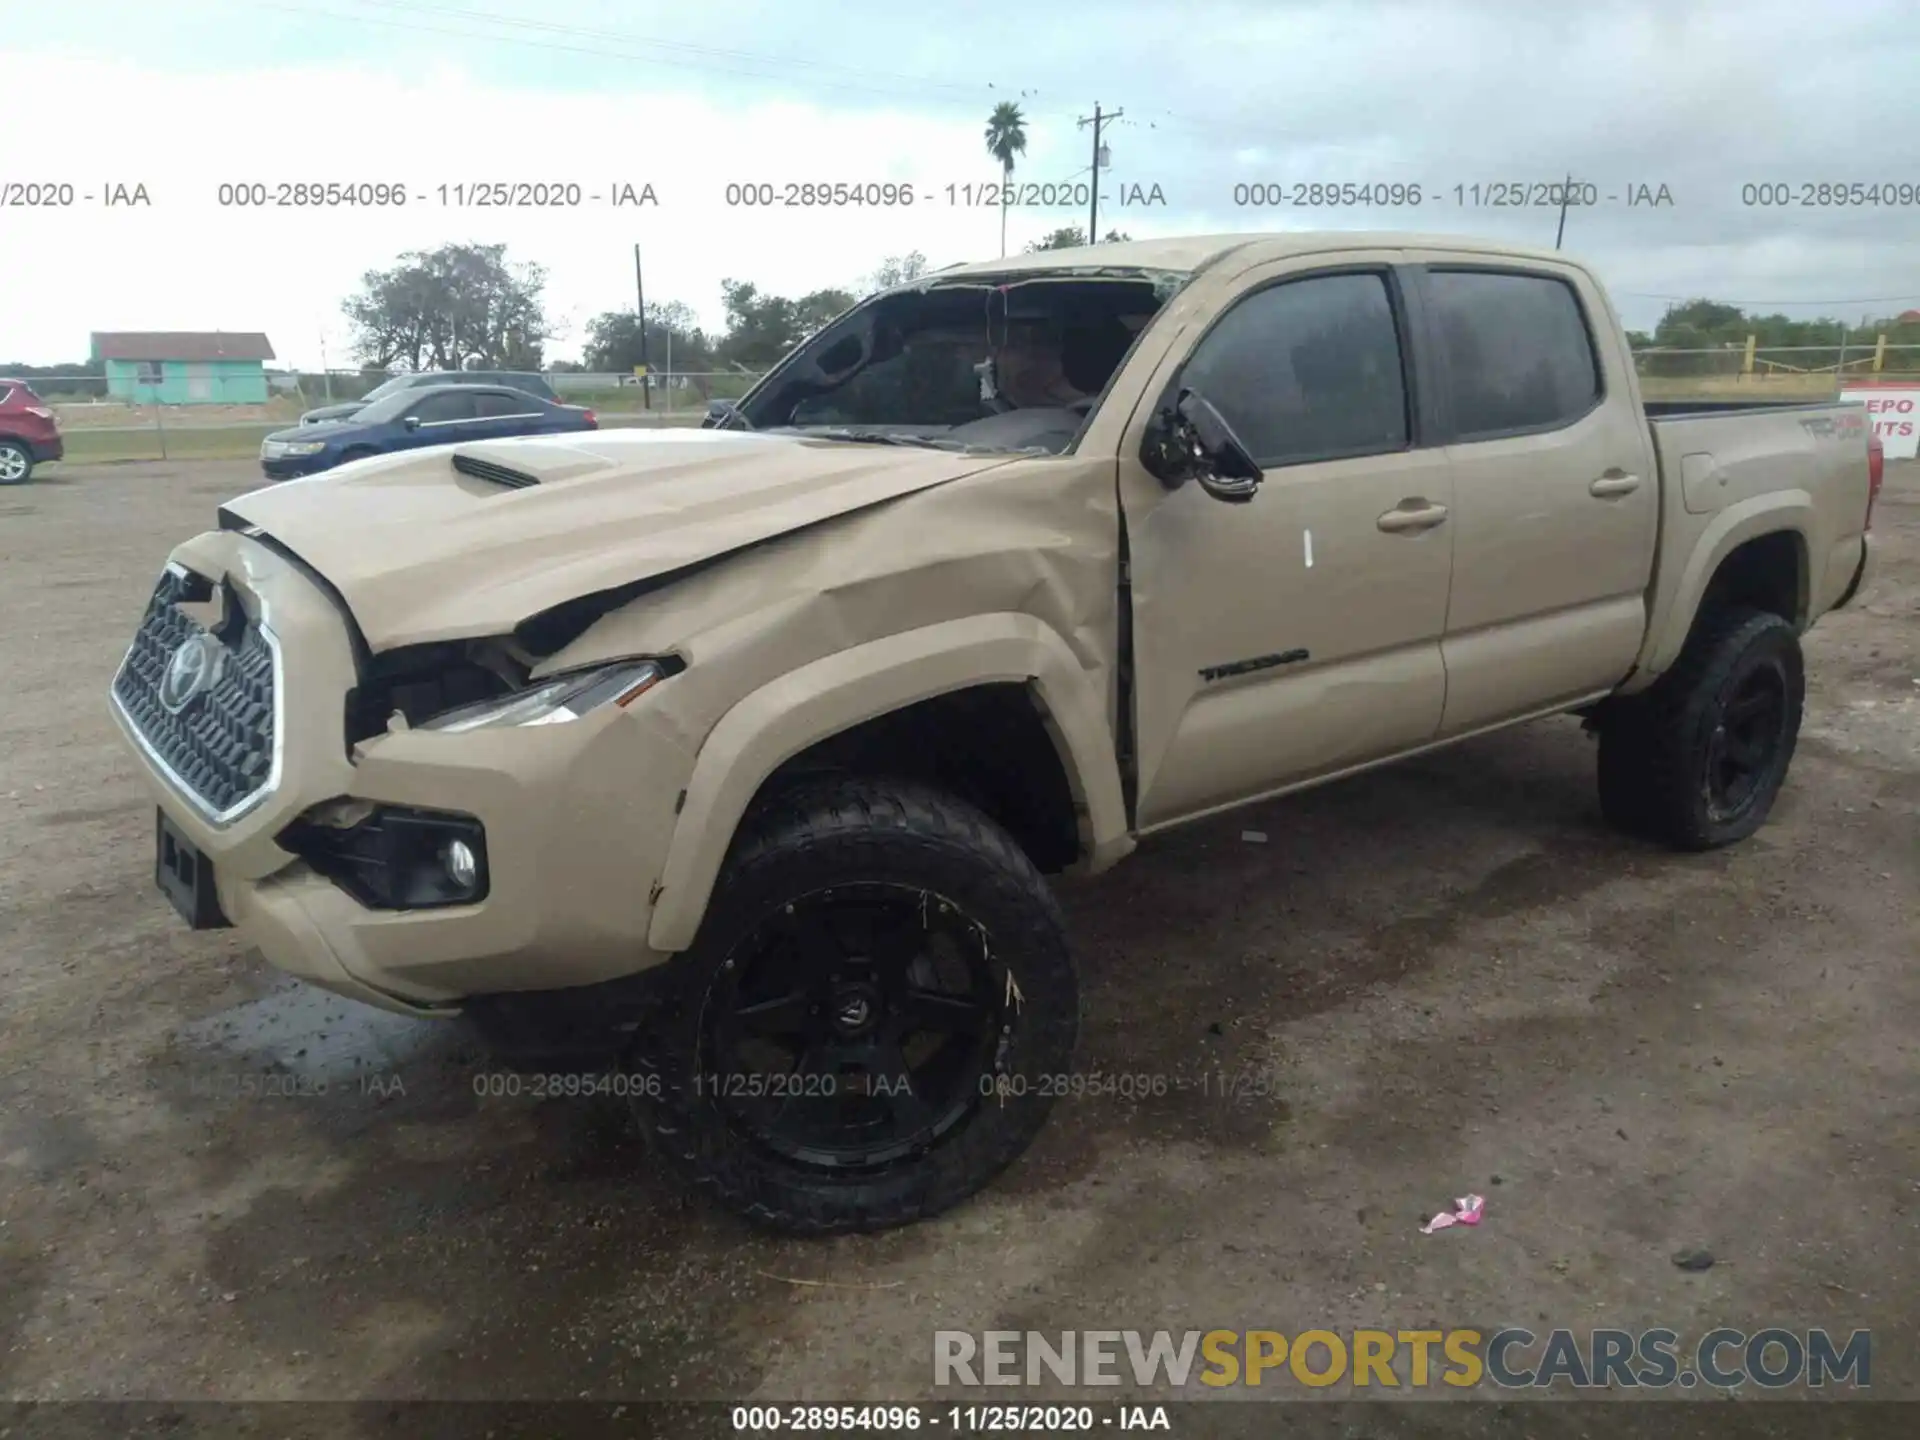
<point x="16" y="463"/>
<point x="1697" y="760"/>
<point x="874" y="1017"/>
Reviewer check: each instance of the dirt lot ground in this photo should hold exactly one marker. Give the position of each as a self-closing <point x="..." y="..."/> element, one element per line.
<point x="1451" y="977"/>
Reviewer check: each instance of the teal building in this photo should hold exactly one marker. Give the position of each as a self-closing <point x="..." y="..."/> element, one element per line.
<point x="184" y="367"/>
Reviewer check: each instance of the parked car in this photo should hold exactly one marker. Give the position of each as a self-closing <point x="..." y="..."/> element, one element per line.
<point x="526" y="380"/>
<point x="744" y="752"/>
<point x="407" y="419"/>
<point x="29" y="433"/>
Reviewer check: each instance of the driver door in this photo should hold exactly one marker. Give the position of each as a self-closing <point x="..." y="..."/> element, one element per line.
<point x="1297" y="634"/>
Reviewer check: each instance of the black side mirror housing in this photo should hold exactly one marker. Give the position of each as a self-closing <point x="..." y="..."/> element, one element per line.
<point x="720" y="415"/>
<point x="1191" y="440"/>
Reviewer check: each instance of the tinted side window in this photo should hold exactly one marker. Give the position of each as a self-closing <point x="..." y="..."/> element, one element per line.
<point x="434" y="408"/>
<point x="503" y="402"/>
<point x="1308" y="370"/>
<point x="1515" y="351"/>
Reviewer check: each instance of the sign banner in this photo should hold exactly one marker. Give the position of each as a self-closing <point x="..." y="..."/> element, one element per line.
<point x="1893" y="409"/>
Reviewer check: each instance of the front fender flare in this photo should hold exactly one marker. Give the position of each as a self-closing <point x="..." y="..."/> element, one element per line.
<point x="782" y="718"/>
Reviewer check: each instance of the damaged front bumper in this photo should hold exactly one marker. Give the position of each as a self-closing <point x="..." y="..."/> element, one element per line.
<point x="568" y="823"/>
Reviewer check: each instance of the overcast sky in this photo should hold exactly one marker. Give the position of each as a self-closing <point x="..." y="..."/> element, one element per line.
<point x="1699" y="97"/>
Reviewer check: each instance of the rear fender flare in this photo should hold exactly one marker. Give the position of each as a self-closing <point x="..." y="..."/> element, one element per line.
<point x="1672" y="619"/>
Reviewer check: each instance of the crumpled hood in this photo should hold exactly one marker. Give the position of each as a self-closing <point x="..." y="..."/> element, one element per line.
<point x="421" y="551"/>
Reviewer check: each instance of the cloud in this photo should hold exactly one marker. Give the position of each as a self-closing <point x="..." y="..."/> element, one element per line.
<point x="1700" y="98"/>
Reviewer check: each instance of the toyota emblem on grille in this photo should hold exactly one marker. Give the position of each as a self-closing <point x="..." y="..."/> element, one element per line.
<point x="191" y="672"/>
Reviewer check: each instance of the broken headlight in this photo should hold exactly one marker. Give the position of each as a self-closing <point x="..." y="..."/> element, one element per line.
<point x="556" y="699"/>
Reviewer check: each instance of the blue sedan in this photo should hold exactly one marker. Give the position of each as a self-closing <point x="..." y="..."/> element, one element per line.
<point x="429" y="415"/>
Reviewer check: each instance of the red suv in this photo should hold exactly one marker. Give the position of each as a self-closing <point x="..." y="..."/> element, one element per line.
<point x="28" y="432"/>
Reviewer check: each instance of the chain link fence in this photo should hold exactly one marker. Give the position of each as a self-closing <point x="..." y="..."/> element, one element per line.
<point x="1757" y="372"/>
<point x="121" y="418"/>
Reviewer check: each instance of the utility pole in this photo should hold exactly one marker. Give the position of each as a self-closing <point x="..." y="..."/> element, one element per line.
<point x="1566" y="190"/>
<point x="1096" y="120"/>
<point x="640" y="300"/>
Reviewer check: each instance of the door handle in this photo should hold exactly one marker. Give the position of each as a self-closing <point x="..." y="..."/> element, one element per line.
<point x="1412" y="516"/>
<point x="1607" y="486"/>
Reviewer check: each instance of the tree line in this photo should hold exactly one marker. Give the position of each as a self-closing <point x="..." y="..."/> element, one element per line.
<point x="1710" y="325"/>
<point x="470" y="307"/>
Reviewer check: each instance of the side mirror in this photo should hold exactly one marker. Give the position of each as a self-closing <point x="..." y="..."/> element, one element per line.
<point x="721" y="414"/>
<point x="412" y="422"/>
<point x="1191" y="440"/>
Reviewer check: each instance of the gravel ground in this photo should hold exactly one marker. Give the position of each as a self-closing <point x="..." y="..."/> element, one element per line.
<point x="1441" y="978"/>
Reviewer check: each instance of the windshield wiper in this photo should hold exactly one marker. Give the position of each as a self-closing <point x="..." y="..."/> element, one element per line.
<point x="878" y="437"/>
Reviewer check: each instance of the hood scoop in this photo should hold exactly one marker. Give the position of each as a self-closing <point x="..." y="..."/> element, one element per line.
<point x="524" y="461"/>
<point x="493" y="471"/>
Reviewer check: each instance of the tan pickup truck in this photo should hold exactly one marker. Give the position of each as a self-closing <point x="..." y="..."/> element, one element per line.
<point x="743" y="751"/>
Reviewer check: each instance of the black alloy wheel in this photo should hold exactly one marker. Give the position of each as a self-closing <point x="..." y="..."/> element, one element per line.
<point x="855" y="1026"/>
<point x="1744" y="748"/>
<point x="860" y="1034"/>
<point x="1697" y="759"/>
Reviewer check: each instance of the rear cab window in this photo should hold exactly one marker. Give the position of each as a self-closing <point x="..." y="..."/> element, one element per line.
<point x="1516" y="352"/>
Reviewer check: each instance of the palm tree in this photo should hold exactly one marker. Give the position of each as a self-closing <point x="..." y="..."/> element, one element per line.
<point x="1006" y="138"/>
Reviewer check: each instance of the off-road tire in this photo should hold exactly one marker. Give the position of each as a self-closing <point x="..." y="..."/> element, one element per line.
<point x="1654" y="747"/>
<point x="16" y="453"/>
<point x="843" y="831"/>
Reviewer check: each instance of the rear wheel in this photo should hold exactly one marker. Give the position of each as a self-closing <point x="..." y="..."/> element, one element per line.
<point x="861" y="1034"/>
<point x="16" y="463"/>
<point x="1697" y="760"/>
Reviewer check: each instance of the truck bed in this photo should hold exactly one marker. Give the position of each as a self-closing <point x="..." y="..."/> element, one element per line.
<point x="1728" y="468"/>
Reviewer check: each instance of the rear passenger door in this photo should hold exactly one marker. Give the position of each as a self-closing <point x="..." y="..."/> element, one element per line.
<point x="1555" y="494"/>
<point x="444" y="419"/>
<point x="509" y="412"/>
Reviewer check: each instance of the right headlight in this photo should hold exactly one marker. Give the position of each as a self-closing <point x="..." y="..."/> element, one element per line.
<point x="556" y="700"/>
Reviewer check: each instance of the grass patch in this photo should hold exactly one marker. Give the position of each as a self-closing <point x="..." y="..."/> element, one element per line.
<point x="1750" y="387"/>
<point x="94" y="447"/>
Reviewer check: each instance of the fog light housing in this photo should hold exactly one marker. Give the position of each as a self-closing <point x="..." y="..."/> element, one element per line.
<point x="392" y="857"/>
<point x="463" y="866"/>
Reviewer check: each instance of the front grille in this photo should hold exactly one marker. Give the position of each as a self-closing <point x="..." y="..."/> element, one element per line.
<point x="219" y="746"/>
